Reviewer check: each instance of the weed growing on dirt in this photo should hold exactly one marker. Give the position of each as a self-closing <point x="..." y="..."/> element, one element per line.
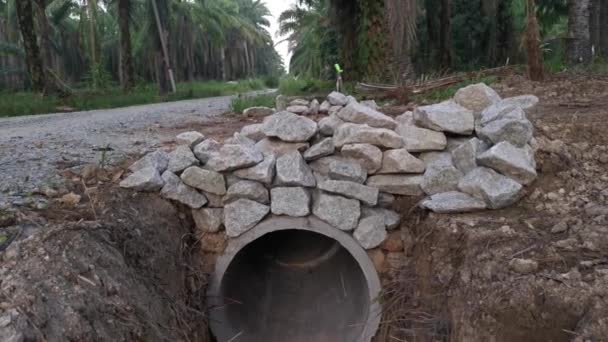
<point x="242" y="102"/>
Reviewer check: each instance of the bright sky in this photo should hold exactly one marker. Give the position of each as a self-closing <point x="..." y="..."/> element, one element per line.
<point x="276" y="7"/>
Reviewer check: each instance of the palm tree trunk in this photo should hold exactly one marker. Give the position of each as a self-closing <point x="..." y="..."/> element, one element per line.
<point x="32" y="52"/>
<point x="445" y="35"/>
<point x="44" y="30"/>
<point x="579" y="47"/>
<point x="535" y="58"/>
<point x="594" y="25"/>
<point x="127" y="72"/>
<point x="162" y="34"/>
<point x="604" y="28"/>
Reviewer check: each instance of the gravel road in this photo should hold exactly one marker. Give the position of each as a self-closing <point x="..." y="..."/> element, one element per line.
<point x="32" y="148"/>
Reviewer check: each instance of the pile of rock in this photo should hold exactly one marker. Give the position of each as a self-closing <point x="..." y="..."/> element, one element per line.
<point x="347" y="168"/>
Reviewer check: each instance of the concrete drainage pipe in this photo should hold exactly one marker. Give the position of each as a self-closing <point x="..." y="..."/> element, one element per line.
<point x="297" y="280"/>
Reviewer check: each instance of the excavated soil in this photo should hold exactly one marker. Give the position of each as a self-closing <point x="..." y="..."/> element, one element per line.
<point x="119" y="266"/>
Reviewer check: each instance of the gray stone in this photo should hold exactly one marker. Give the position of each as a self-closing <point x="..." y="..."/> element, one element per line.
<point x="397" y="184"/>
<point x="205" y="180"/>
<point x="281" y="103"/>
<point x="299" y="102"/>
<point x="242" y="215"/>
<point x="254" y="132"/>
<point x="247" y="189"/>
<point x="510" y="161"/>
<point x="360" y="114"/>
<point x="400" y="161"/>
<point x="321" y="149"/>
<point x="371" y="104"/>
<point x="495" y="189"/>
<point x="441" y="175"/>
<point x="366" y="194"/>
<point x="349" y="133"/>
<point x="290" y="201"/>
<point x="278" y="147"/>
<point x="406" y="119"/>
<point x="329" y="125"/>
<point x="476" y="97"/>
<point x="205" y="150"/>
<point x="190" y="139"/>
<point x="234" y="157"/>
<point x="418" y="139"/>
<point x="333" y="110"/>
<point x="300" y="110"/>
<point x="391" y="218"/>
<point x="239" y="139"/>
<point x="369" y="156"/>
<point x="436" y="159"/>
<point x="386" y="200"/>
<point x="157" y="159"/>
<point x="523" y="266"/>
<point x="175" y="189"/>
<point x="455" y="142"/>
<point x="370" y="232"/>
<point x="289" y="127"/>
<point x="560" y="227"/>
<point x="465" y="155"/>
<point x="313" y="108"/>
<point x="453" y="202"/>
<point x="181" y="158"/>
<point x="347" y="170"/>
<point x="516" y="132"/>
<point x="214" y="201"/>
<point x="208" y="220"/>
<point x="262" y="172"/>
<point x="146" y="179"/>
<point x="445" y="117"/>
<point x="525" y="102"/>
<point x="324" y="108"/>
<point x="351" y="99"/>
<point x="500" y="111"/>
<point x="340" y="212"/>
<point x="231" y="179"/>
<point x="337" y="99"/>
<point x="293" y="171"/>
<point x="257" y="112"/>
<point x="321" y="165"/>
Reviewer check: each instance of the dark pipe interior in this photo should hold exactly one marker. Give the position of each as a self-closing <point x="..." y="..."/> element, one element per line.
<point x="295" y="286"/>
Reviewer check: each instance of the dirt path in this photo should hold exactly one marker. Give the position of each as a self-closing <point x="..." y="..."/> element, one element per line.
<point x="33" y="148"/>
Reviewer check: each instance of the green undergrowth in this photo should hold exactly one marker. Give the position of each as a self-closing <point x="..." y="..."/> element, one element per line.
<point x="27" y="103"/>
<point x="446" y="93"/>
<point x="242" y="102"/>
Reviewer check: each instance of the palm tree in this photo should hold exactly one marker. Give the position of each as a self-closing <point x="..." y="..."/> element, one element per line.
<point x="579" y="47"/>
<point x="25" y="16"/>
<point x="124" y="22"/>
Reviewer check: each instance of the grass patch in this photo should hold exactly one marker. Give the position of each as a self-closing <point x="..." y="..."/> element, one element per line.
<point x="446" y="93"/>
<point x="242" y="102"/>
<point x="292" y="86"/>
<point x="25" y="103"/>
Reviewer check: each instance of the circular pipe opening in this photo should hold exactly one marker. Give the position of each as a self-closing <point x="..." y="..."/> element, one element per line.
<point x="294" y="280"/>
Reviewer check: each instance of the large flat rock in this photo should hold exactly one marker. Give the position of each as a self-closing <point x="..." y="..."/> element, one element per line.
<point x="400" y="161"/>
<point x="242" y="215"/>
<point x="510" y="161"/>
<point x="181" y="158"/>
<point x="370" y="232"/>
<point x="495" y="189"/>
<point x="515" y="131"/>
<point x="329" y="125"/>
<point x="146" y="179"/>
<point x="366" y="194"/>
<point x="360" y="114"/>
<point x="340" y="212"/>
<point x="350" y="133"/>
<point x="247" y="189"/>
<point x="278" y="147"/>
<point x="446" y="116"/>
<point x="292" y="170"/>
<point x="157" y="159"/>
<point x="290" y="201"/>
<point x="262" y="172"/>
<point x="233" y="157"/>
<point x="175" y="189"/>
<point x="290" y="127"/>
<point x="397" y="184"/>
<point x="418" y="139"/>
<point x="323" y="148"/>
<point x="465" y="155"/>
<point x="205" y="180"/>
<point x="453" y="202"/>
<point x="369" y="156"/>
<point x="476" y="97"/>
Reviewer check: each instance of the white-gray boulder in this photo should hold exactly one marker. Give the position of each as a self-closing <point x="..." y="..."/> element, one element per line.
<point x="290" y="201"/>
<point x="347" y="170"/>
<point x="146" y="179"/>
<point x="205" y="150"/>
<point x="208" y="220"/>
<point x="524" y="102"/>
<point x="406" y="119"/>
<point x="254" y="132"/>
<point x="189" y="139"/>
<point x="369" y="156"/>
<point x="299" y="102"/>
<point x="453" y="202"/>
<point x="400" y="161"/>
<point x="205" y="180"/>
<point x="446" y="116"/>
<point x="366" y="194"/>
<point x="313" y="108"/>
<point x="321" y="149"/>
<point x="157" y="159"/>
<point x="324" y="108"/>
<point x="333" y="110"/>
<point x="391" y="218"/>
<point x="242" y="215"/>
<point x="257" y="112"/>
<point x="360" y="114"/>
<point x="300" y="110"/>
<point x="289" y="127"/>
<point x="371" y="104"/>
<point x="370" y="232"/>
<point x="337" y="99"/>
<point x="175" y="189"/>
<point x="239" y="139"/>
<point x="247" y="189"/>
<point x="510" y="161"/>
<point x="292" y="170"/>
<point x="397" y="184"/>
<point x="495" y="189"/>
<point x="262" y="172"/>
<point x="340" y="212"/>
<point x="233" y="157"/>
<point x="350" y="133"/>
<point x="181" y="158"/>
<point x="441" y="175"/>
<point x="278" y="147"/>
<point x="476" y="97"/>
<point x="516" y="132"/>
<point x="465" y="155"/>
<point x="500" y="111"/>
<point x="328" y="125"/>
<point x="418" y="139"/>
